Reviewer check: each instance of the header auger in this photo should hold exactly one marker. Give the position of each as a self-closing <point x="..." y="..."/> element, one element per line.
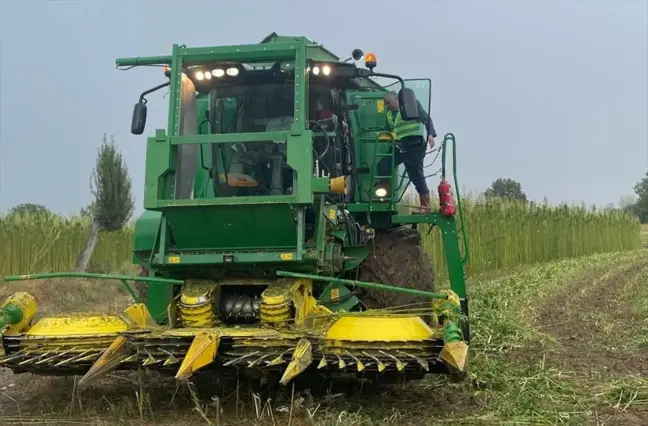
<point x="266" y="246"/>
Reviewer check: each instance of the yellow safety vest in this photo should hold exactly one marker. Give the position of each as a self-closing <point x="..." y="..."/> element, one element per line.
<point x="401" y="128"/>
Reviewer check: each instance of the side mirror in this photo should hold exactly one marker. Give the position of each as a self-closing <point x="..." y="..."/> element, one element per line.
<point x="407" y="104"/>
<point x="138" y="122"/>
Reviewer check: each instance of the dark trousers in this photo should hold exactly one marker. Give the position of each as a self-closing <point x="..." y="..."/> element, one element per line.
<point x="411" y="152"/>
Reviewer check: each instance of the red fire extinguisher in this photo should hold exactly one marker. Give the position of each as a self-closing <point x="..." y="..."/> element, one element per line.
<point x="446" y="203"/>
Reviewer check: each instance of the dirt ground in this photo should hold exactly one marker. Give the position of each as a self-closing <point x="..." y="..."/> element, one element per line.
<point x="563" y="343"/>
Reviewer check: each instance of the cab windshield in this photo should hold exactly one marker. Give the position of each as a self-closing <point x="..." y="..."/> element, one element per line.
<point x="253" y="107"/>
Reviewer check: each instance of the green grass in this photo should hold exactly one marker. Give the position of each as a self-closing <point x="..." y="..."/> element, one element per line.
<point x="644" y="233"/>
<point x="546" y="349"/>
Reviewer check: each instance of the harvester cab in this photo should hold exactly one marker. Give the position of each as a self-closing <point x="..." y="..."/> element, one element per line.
<point x="265" y="245"/>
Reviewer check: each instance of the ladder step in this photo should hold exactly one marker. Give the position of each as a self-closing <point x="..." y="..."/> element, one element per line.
<point x="384" y="155"/>
<point x="382" y="177"/>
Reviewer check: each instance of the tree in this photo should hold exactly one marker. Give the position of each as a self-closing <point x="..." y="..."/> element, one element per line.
<point x="113" y="203"/>
<point x="506" y="188"/>
<point x="628" y="204"/>
<point x="627" y="201"/>
<point x="87" y="211"/>
<point x="30" y="209"/>
<point x="640" y="207"/>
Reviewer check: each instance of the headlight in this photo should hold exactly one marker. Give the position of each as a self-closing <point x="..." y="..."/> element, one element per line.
<point x="200" y="76"/>
<point x="232" y="72"/>
<point x="326" y="70"/>
<point x="218" y="72"/>
<point x="381" y="192"/>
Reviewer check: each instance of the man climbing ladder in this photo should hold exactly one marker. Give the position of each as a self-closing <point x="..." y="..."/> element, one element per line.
<point x="410" y="147"/>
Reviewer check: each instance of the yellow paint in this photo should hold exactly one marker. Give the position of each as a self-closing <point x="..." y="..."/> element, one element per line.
<point x="275" y="306"/>
<point x="174" y="259"/>
<point x="301" y="359"/>
<point x="224" y="332"/>
<point x="380" y="106"/>
<point x="202" y="352"/>
<point x="195" y="306"/>
<point x="385" y="136"/>
<point x="339" y="185"/>
<point x="323" y="363"/>
<point x="107" y="361"/>
<point x="172" y="312"/>
<point x="452" y="299"/>
<point x="380" y="329"/>
<point x="27" y="304"/>
<point x="335" y="293"/>
<point x="171" y="360"/>
<point x="454" y="354"/>
<point x="305" y="303"/>
<point x="276" y="294"/>
<point x="286" y="256"/>
<point x="149" y="360"/>
<point x="446" y="307"/>
<point x="139" y="315"/>
<point x="201" y="317"/>
<point x="78" y="324"/>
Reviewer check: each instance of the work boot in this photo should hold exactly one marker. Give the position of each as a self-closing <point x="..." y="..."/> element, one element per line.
<point x="425" y="204"/>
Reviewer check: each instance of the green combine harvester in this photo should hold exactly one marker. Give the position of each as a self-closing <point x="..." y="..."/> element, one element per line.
<point x="269" y="245"/>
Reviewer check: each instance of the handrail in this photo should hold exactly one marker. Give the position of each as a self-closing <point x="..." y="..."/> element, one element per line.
<point x="450" y="136"/>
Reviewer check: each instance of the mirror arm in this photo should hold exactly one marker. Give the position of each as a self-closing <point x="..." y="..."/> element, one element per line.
<point x="149" y="91"/>
<point x="368" y="73"/>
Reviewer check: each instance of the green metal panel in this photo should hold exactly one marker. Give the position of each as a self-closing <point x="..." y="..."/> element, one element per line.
<point x="367" y="122"/>
<point x="233" y="227"/>
<point x="315" y="51"/>
<point x="161" y="159"/>
<point x="205" y="233"/>
<point x="146" y="229"/>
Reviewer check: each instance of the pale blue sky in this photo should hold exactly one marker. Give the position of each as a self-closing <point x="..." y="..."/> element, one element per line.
<point x="553" y="94"/>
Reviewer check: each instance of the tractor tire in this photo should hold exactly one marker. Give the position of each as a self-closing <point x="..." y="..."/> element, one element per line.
<point x="396" y="258"/>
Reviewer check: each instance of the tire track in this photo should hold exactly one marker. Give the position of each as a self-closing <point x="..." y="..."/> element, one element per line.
<point x="588" y="321"/>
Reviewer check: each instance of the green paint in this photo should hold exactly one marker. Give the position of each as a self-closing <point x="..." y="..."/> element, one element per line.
<point x="376" y="286"/>
<point x="235" y="227"/>
<point x="448" y="228"/>
<point x="450" y="137"/>
<point x="146" y="230"/>
<point x="158" y="298"/>
<point x="221" y="229"/>
<point x="29" y="277"/>
<point x="451" y="332"/>
<point x="321" y="185"/>
<point x="10" y="314"/>
<point x="344" y="301"/>
<point x="354" y="257"/>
